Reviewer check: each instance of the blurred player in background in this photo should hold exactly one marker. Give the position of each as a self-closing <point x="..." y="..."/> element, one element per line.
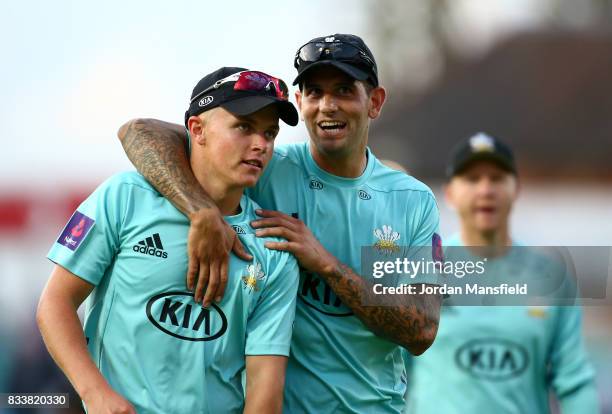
<point x="148" y="346"/>
<point x="333" y="196"/>
<point x="498" y="359"/>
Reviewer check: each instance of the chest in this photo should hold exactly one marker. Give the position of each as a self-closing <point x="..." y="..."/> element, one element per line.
<point x="495" y="342"/>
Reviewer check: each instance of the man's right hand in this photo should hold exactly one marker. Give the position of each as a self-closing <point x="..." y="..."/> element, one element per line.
<point x="108" y="402"/>
<point x="210" y="242"/>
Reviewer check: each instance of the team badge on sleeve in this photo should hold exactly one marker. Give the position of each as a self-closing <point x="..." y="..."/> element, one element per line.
<point x="75" y="231"/>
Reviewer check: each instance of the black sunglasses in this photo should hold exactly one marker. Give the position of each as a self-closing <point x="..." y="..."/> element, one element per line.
<point x="316" y="51"/>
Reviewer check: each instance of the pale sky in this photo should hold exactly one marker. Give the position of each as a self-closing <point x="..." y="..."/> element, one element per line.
<point x="74" y="71"/>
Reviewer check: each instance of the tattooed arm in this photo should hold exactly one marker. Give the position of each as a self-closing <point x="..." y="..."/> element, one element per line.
<point x="408" y="320"/>
<point x="158" y="150"/>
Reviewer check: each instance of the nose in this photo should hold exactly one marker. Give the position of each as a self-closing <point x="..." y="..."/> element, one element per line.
<point x="259" y="142"/>
<point x="328" y="103"/>
<point x="485" y="187"/>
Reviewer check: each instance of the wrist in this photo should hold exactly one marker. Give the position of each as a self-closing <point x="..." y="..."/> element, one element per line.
<point x="94" y="387"/>
<point x="203" y="214"/>
<point x="329" y="268"/>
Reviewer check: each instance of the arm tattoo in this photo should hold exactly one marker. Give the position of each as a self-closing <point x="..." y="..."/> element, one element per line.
<point x="158" y="151"/>
<point x="410" y="320"/>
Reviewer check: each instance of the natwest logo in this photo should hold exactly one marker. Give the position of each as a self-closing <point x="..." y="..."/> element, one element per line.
<point x="69" y="240"/>
<point x="177" y="314"/>
<point x="76" y="230"/>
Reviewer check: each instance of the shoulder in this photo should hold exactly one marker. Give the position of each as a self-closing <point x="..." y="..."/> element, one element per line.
<point x="399" y="184"/>
<point x="129" y="179"/>
<point x="129" y="185"/>
<point x="272" y="258"/>
<point x="386" y="179"/>
<point x="291" y="153"/>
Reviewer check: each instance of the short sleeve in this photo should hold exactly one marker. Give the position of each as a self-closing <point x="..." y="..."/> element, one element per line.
<point x="426" y="243"/>
<point x="573" y="377"/>
<point x="90" y="240"/>
<point x="270" y="325"/>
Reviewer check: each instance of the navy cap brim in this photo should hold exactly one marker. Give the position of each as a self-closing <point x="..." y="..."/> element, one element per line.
<point x="250" y="104"/>
<point x="501" y="161"/>
<point x="347" y="68"/>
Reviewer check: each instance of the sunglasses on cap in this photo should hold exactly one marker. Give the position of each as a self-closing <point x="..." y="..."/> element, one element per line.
<point x="315" y="51"/>
<point x="251" y="81"/>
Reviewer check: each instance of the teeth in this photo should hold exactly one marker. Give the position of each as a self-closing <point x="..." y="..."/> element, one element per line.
<point x="255" y="163"/>
<point x="331" y="124"/>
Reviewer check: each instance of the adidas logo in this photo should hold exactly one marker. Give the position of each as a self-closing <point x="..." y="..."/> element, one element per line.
<point x="151" y="246"/>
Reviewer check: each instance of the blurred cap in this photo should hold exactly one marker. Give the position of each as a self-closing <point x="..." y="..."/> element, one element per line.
<point x="347" y="52"/>
<point x="477" y="148"/>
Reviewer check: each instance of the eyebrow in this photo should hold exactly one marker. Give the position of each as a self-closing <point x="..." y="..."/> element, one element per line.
<point x="249" y="119"/>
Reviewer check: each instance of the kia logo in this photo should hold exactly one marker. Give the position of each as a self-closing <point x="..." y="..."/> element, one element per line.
<point x="492" y="358"/>
<point x="205" y="100"/>
<point x="178" y="315"/>
<point x="316" y="185"/>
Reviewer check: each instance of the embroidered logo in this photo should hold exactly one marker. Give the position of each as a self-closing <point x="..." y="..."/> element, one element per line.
<point x="207" y="100"/>
<point x="316" y="185"/>
<point x="254" y="275"/>
<point x="386" y="239"/>
<point x="364" y="196"/>
<point x="482" y="143"/>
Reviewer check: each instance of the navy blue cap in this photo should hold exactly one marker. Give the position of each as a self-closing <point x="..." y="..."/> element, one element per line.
<point x="480" y="147"/>
<point x="237" y="102"/>
<point x="347" y="52"/>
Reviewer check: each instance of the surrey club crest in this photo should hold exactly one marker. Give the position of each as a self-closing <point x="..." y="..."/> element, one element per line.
<point x="254" y="275"/>
<point x="482" y="143"/>
<point x="387" y="239"/>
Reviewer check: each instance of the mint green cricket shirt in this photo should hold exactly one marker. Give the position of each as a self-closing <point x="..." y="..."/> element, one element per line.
<point x="337" y="365"/>
<point x="151" y="341"/>
<point x="504" y="359"/>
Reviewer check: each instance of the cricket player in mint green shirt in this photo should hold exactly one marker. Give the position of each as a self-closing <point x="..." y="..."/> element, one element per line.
<point x="499" y="359"/>
<point x="148" y="347"/>
<point x="328" y="198"/>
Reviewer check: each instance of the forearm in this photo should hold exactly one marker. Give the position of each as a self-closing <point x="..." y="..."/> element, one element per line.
<point x="158" y="151"/>
<point x="261" y="399"/>
<point x="408" y="320"/>
<point x="265" y="383"/>
<point x="63" y="335"/>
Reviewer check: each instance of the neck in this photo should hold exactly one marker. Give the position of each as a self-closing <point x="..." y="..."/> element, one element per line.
<point x="225" y="197"/>
<point x="496" y="241"/>
<point x="350" y="165"/>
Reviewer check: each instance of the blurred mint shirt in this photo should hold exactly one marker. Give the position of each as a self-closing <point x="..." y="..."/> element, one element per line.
<point x="503" y="359"/>
<point x="336" y="364"/>
<point x="150" y="340"/>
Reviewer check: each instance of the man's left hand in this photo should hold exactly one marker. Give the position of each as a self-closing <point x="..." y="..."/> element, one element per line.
<point x="310" y="254"/>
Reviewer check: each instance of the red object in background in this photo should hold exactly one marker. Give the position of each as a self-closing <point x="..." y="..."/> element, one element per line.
<point x="19" y="212"/>
<point x="73" y="201"/>
<point x="14" y="213"/>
